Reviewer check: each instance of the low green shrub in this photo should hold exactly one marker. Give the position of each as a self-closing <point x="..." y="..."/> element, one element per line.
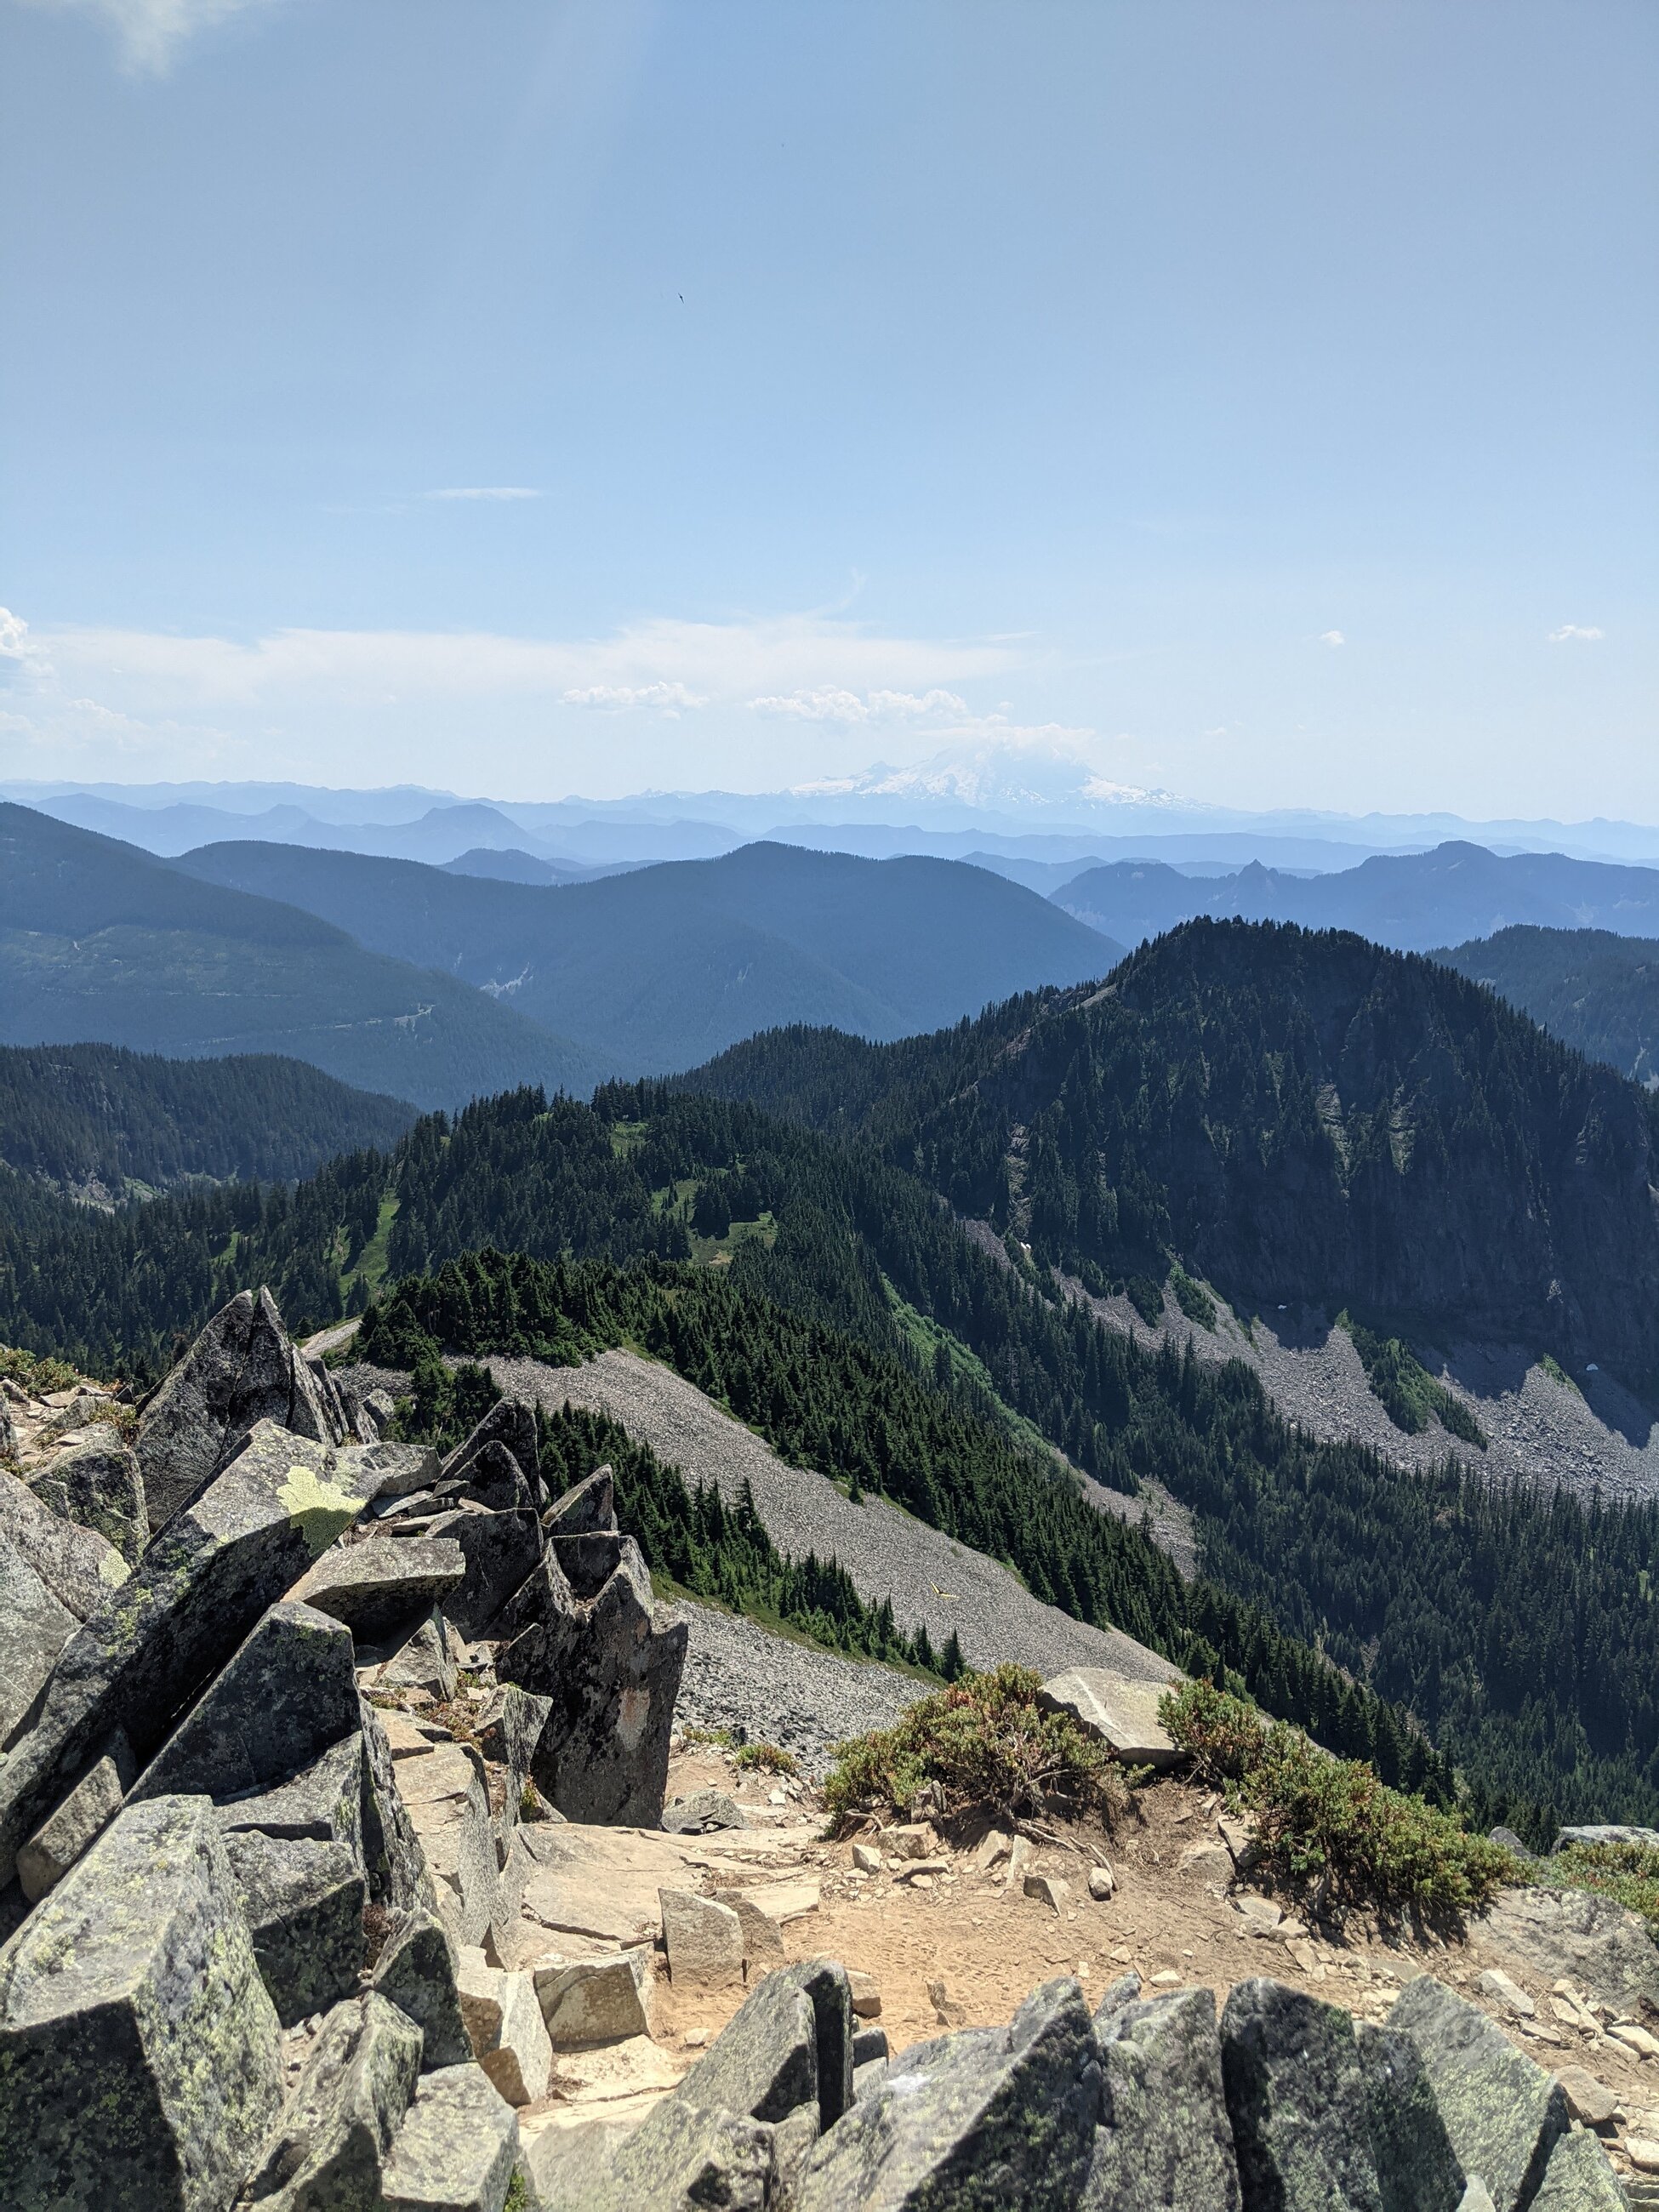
<point x="1629" y="1872"/>
<point x="985" y="1745"/>
<point x="1328" y="1827"/>
<point x="36" y="1373"/>
<point x="767" y="1758"/>
<point x="1409" y="1394"/>
<point x="1193" y="1299"/>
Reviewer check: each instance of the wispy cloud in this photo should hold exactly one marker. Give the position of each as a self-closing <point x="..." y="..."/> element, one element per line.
<point x="1576" y="634"/>
<point x="486" y="491"/>
<point x="149" y="33"/>
<point x="832" y="704"/>
<point x="669" y="697"/>
<point x="1332" y="637"/>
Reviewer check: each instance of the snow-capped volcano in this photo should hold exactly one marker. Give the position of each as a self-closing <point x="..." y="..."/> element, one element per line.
<point x="1052" y="775"/>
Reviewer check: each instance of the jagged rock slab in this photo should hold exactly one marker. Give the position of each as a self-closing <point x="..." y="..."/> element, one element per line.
<point x="1116" y="1710"/>
<point x="500" y="1550"/>
<point x="96" y="1484"/>
<point x="137" y="2043"/>
<point x="326" y="2152"/>
<point x="285" y="1695"/>
<point x="764" y="2062"/>
<point x="69" y="1832"/>
<point x="702" y="1813"/>
<point x="1578" y="2178"/>
<point x="591" y="2001"/>
<point x="33" y="1629"/>
<point x="510" y="1727"/>
<point x="304" y="1903"/>
<point x="495" y="1480"/>
<point x="424" y="1661"/>
<point x="1644" y="1839"/>
<point x="587" y="1507"/>
<point x="704" y="1940"/>
<point x="77" y="1565"/>
<point x="322" y="1804"/>
<point x="448" y="1807"/>
<point x="373" y="1586"/>
<point x="404" y="1469"/>
<point x="393" y="1858"/>
<point x="1593" y="1941"/>
<point x="510" y="1422"/>
<point x="1417" y="2168"/>
<point x="418" y="1972"/>
<point x="611" y="1665"/>
<point x="504" y="2022"/>
<point x="199" y="1588"/>
<point x="1504" y="2114"/>
<point x="1295" y="2096"/>
<point x="986" y="2117"/>
<point x="1163" y="2137"/>
<point x="238" y="1372"/>
<point x="456" y="2149"/>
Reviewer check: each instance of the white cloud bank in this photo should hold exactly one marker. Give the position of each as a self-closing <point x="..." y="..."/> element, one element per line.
<point x="1576" y="634"/>
<point x="486" y="491"/>
<point x="1332" y="637"/>
<point x="694" y="701"/>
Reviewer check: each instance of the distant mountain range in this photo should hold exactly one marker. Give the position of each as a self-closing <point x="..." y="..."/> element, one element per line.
<point x="661" y="967"/>
<point x="1030" y="798"/>
<point x="1412" y="901"/>
<point x="99" y="942"/>
<point x="435" y="985"/>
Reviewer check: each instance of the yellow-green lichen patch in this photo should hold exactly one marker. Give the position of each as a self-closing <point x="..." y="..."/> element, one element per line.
<point x="323" y="1509"/>
<point x="113" y="1570"/>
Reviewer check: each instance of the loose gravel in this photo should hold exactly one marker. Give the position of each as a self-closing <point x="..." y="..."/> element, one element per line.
<point x="930" y="1578"/>
<point x="740" y="1676"/>
<point x="1538" y="1430"/>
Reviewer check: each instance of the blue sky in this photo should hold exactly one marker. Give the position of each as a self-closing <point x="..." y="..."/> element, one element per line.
<point x="1258" y="400"/>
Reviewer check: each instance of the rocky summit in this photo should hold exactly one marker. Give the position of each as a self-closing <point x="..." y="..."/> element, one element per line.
<point x="341" y="1875"/>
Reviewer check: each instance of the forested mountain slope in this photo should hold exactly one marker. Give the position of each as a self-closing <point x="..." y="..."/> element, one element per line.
<point x="99" y="942"/>
<point x="102" y="1123"/>
<point x="661" y="967"/>
<point x="1294" y="1117"/>
<point x="1514" y="1623"/>
<point x="1412" y="901"/>
<point x="1596" y="991"/>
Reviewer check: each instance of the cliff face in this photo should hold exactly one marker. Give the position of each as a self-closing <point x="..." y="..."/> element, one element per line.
<point x="1308" y="1117"/>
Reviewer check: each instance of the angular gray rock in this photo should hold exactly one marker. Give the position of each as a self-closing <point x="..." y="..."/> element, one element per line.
<point x="1644" y="1839"/>
<point x="611" y="1665"/>
<point x="1578" y="2178"/>
<point x="326" y="2152"/>
<point x="402" y="1468"/>
<point x="33" y="1629"/>
<point x="1163" y="2137"/>
<point x="199" y="1588"/>
<point x="1504" y="2115"/>
<point x="828" y="1989"/>
<point x="1417" y="2168"/>
<point x="703" y="1812"/>
<point x="285" y="1695"/>
<point x="686" y="2155"/>
<point x="510" y="1727"/>
<point x="138" y="2045"/>
<point x="1296" y="2099"/>
<point x="494" y="1479"/>
<point x="764" y="2061"/>
<point x="988" y="2118"/>
<point x="321" y="1804"/>
<point x="586" y="1508"/>
<point x="393" y="1858"/>
<point x="69" y="1832"/>
<point x="417" y="1971"/>
<point x="77" y="1564"/>
<point x="95" y="1483"/>
<point x="303" y="1903"/>
<point x="375" y="1586"/>
<point x="589" y="2001"/>
<point x="500" y="1551"/>
<point x="456" y="2149"/>
<point x="588" y="1561"/>
<point x="510" y="1422"/>
<point x="238" y="1372"/>
<point x="1592" y="1941"/>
